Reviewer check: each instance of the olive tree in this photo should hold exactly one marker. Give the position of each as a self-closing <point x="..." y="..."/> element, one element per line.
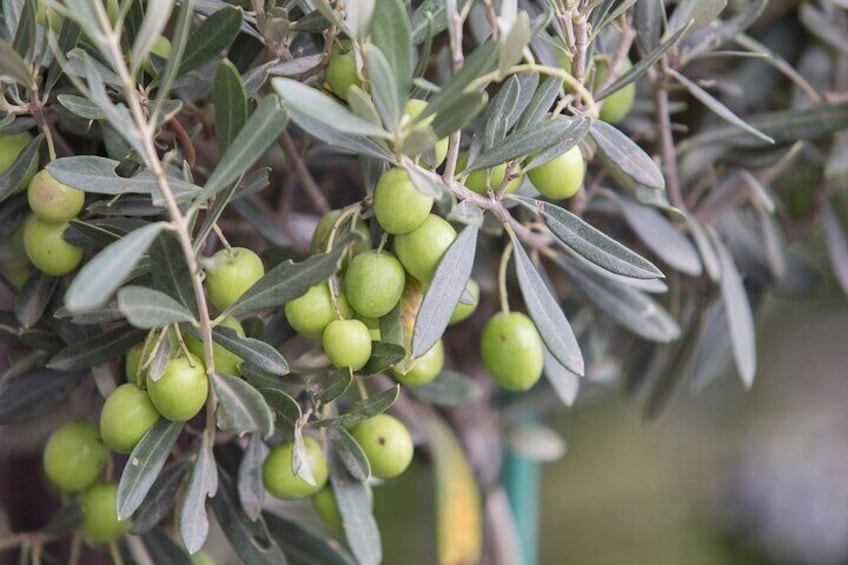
<point x="263" y="251"/>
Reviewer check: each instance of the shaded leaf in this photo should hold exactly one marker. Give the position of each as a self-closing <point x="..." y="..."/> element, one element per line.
<point x="837" y="245"/>
<point x="286" y="408"/>
<point x="230" y="100"/>
<point x="31" y="302"/>
<point x="96" y="349"/>
<point x="303" y="547"/>
<point x="170" y="271"/>
<point x="392" y="34"/>
<point x="214" y="35"/>
<point x="255" y="351"/>
<point x="193" y="521"/>
<point x="356" y="510"/>
<point x="383" y="357"/>
<point x="161" y="498"/>
<point x="14" y="176"/>
<point x="448" y="389"/>
<point x="565" y="383"/>
<point x="251" y="491"/>
<point x="363" y="409"/>
<point x="349" y="453"/>
<point x="243" y="410"/>
<point x="625" y="156"/>
<point x="36" y="393"/>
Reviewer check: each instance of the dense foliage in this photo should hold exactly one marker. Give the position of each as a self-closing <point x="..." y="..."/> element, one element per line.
<point x="236" y="235"/>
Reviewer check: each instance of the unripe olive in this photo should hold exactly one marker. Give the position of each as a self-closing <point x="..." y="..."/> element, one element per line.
<point x="53" y="201"/>
<point x="325" y="225"/>
<point x="617" y="105"/>
<point x="462" y="311"/>
<point x="47" y="250"/>
<point x="74" y="456"/>
<point x="324" y="503"/>
<point x="481" y="181"/>
<point x="132" y="362"/>
<point x="226" y="361"/>
<point x="398" y="205"/>
<point x="512" y="350"/>
<point x="181" y="391"/>
<point x="347" y="343"/>
<point x="387" y="444"/>
<point x="10" y="147"/>
<point x="421" y="251"/>
<point x="229" y="273"/>
<point x="414" y="108"/>
<point x="373" y="325"/>
<point x="374" y="283"/>
<point x="126" y="416"/>
<point x="560" y="177"/>
<point x="162" y="49"/>
<point x="310" y="313"/>
<point x="100" y="522"/>
<point x="340" y="73"/>
<point x="425" y="368"/>
<point x="46" y="16"/>
<point x="281" y="482"/>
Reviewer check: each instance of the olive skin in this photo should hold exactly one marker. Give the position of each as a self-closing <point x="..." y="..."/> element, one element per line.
<point x="46" y="249"/>
<point x="226" y="361"/>
<point x="162" y="49"/>
<point x="561" y="177"/>
<point x="132" y="362"/>
<point x="321" y="236"/>
<point x="398" y="205"/>
<point x="340" y="73"/>
<point x="512" y="350"/>
<point x="616" y="106"/>
<point x="463" y="311"/>
<point x="347" y="343"/>
<point x="53" y="201"/>
<point x="100" y="522"/>
<point x="181" y="391"/>
<point x="229" y="273"/>
<point x="282" y="483"/>
<point x="425" y="368"/>
<point x="387" y="444"/>
<point x="421" y="251"/>
<point x="74" y="456"/>
<point x="324" y="503"/>
<point x="414" y="108"/>
<point x="481" y="181"/>
<point x="373" y="283"/>
<point x="312" y="312"/>
<point x="127" y="415"/>
<point x="10" y="147"/>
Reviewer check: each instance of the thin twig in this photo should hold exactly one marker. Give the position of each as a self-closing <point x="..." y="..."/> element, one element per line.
<point x="296" y="161"/>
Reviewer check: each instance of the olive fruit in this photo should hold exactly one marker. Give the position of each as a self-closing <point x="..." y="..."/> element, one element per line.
<point x="512" y="350"/>
<point x="398" y="205"/>
<point x="462" y="311"/>
<point x="321" y="236"/>
<point x="387" y="444"/>
<point x="162" y="49"/>
<point x="324" y="503"/>
<point x="46" y="248"/>
<point x="425" y="368"/>
<point x="414" y="108"/>
<point x="229" y="273"/>
<point x="53" y="201"/>
<point x="10" y="147"/>
<point x="181" y="391"/>
<point x="226" y="361"/>
<point x="280" y="480"/>
<point x="374" y="283"/>
<point x="617" y="105"/>
<point x="373" y="325"/>
<point x="100" y="522"/>
<point x="126" y="416"/>
<point x="481" y="181"/>
<point x="74" y="456"/>
<point x="310" y="313"/>
<point x="340" y="73"/>
<point x="560" y="177"/>
<point x="202" y="558"/>
<point x="347" y="343"/>
<point x="421" y="251"/>
<point x="132" y="363"/>
<point x="45" y="16"/>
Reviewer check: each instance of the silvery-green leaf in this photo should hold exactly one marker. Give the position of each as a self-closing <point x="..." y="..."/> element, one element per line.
<point x="144" y="465"/>
<point x="148" y="308"/>
<point x="193" y="521"/>
<point x="242" y="408"/>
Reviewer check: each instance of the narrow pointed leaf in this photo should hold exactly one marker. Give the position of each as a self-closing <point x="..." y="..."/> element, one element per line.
<point x="32" y="301"/>
<point x="565" y="383"/>
<point x="230" y="100"/>
<point x="655" y="231"/>
<point x="355" y="507"/>
<point x="363" y="409"/>
<point x="148" y="308"/>
<point x="243" y="410"/>
<point x="214" y="35"/>
<point x="194" y="523"/>
<point x="96" y="349"/>
<point x="350" y="454"/>
<point x="144" y="465"/>
<point x="251" y="491"/>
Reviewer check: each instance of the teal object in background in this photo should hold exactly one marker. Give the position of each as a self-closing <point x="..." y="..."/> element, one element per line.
<point x="520" y="476"/>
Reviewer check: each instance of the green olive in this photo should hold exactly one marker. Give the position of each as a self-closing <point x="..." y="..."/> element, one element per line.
<point x="616" y="106"/>
<point x="226" y="361"/>
<point x="100" y="522"/>
<point x="425" y="368"/>
<point x="322" y="233"/>
<point x="512" y="350"/>
<point x="324" y="503"/>
<point x="560" y="177"/>
<point x="53" y="201"/>
<point x="387" y="444"/>
<point x="46" y="248"/>
<point x="74" y="456"/>
<point x="347" y="343"/>
<point x="181" y="391"/>
<point x="280" y="480"/>
<point x="398" y="205"/>
<point x="374" y="283"/>
<point x="10" y="147"/>
<point x="229" y="273"/>
<point x="126" y="416"/>
<point x="132" y="363"/>
<point x="340" y="73"/>
<point x="482" y="181"/>
<point x="421" y="251"/>
<point x="414" y="108"/>
<point x="462" y="311"/>
<point x="310" y="313"/>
